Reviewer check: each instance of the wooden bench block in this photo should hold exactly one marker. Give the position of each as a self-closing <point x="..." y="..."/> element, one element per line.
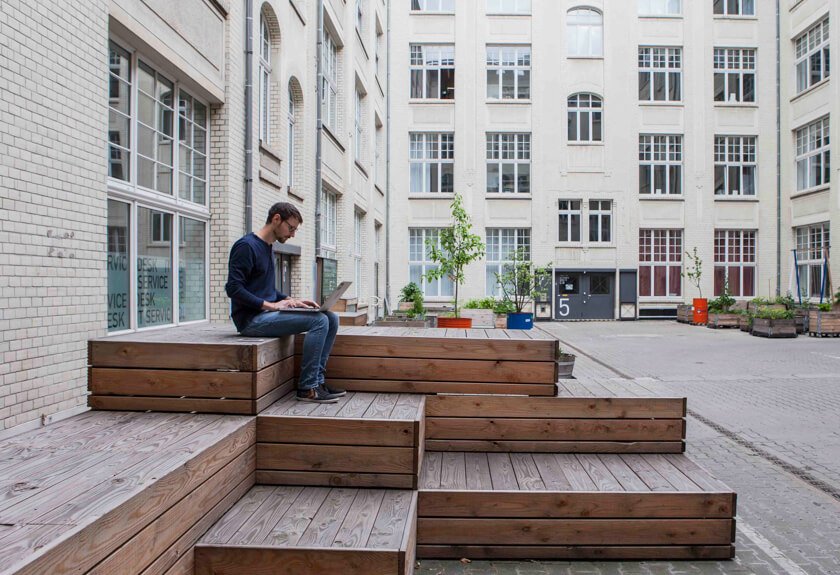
<point x="432" y="387"/>
<point x="369" y="440"/>
<point x="313" y="530"/>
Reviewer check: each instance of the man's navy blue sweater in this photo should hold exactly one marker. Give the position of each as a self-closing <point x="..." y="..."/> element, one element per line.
<point x="250" y="279"/>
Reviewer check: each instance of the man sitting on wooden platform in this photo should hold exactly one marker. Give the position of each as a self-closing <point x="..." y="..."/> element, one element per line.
<point x="257" y="305"/>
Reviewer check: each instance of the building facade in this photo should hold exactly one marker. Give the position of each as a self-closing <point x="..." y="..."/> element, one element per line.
<point x="125" y="138"/>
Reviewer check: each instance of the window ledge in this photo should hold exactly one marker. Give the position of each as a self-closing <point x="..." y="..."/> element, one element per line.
<point x="661" y="16"/>
<point x="431" y="101"/>
<point x="509" y="14"/>
<point x="811" y="89"/>
<point x="748" y="199"/>
<point x="431" y="196"/>
<point x="270" y="151"/>
<point x="328" y="131"/>
<point x="511" y="101"/>
<point x="595" y="144"/>
<point x="743" y="105"/>
<point x="584" y="57"/>
<point x="738" y="17"/>
<point x="809" y="191"/>
<point x="662" y="198"/>
<point x="430" y="13"/>
<point x="361" y="168"/>
<point x="568" y="244"/>
<point x="507" y="196"/>
<point x="650" y="104"/>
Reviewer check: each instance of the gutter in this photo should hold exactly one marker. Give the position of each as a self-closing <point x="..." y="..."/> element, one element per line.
<point x="388" y="160"/>
<point x="249" y="113"/>
<point x="319" y="126"/>
<point x="778" y="150"/>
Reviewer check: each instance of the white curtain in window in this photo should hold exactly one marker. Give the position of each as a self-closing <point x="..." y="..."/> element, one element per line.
<point x="585" y="33"/>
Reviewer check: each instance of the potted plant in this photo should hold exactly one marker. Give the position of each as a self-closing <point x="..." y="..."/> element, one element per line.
<point x="458" y="248"/>
<point x="684" y="313"/>
<point x="825" y="321"/>
<point x="411" y="312"/>
<point x="720" y="313"/>
<point x="480" y="311"/>
<point x="520" y="282"/>
<point x="694" y="274"/>
<point x="501" y="310"/>
<point x="745" y="320"/>
<point x="770" y="322"/>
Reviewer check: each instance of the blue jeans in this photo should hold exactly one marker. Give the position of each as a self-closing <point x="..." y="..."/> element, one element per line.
<point x="320" y="328"/>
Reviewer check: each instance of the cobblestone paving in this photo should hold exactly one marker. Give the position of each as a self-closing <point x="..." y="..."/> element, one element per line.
<point x="775" y="407"/>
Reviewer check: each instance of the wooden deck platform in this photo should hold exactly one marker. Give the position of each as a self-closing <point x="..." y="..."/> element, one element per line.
<point x="313" y="531"/>
<point x="113" y="493"/>
<point x="364" y="440"/>
<point x="555" y="424"/>
<point x="203" y="369"/>
<point x="436" y="360"/>
<point x="566" y="506"/>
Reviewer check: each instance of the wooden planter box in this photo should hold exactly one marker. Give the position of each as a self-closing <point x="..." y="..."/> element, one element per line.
<point x="481" y="317"/>
<point x="801" y="316"/>
<point x="565" y="365"/>
<point x="823" y="323"/>
<point x="745" y="323"/>
<point x="724" y="320"/>
<point x="684" y="313"/>
<point x="500" y="320"/>
<point x="396" y="321"/>
<point x="774" y="327"/>
<point x="754" y="308"/>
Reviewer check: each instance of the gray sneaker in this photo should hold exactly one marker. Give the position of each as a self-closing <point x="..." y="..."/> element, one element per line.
<point x="317" y="394"/>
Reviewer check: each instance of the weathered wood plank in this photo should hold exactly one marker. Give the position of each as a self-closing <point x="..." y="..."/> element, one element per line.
<point x="291" y="457"/>
<point x="435" y="369"/>
<point x="293" y="561"/>
<point x="595" y="446"/>
<point x="337" y="479"/>
<point x="324" y="431"/>
<point x="554" y="407"/>
<point x="357" y="525"/>
<point x="601" y="552"/>
<point x="426" y="387"/>
<point x="522" y="429"/>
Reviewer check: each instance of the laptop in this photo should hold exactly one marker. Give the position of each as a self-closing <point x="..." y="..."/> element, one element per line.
<point x="328" y="303"/>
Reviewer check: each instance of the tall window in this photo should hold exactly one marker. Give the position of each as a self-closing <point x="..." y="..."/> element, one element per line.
<point x="812" y="56"/>
<point x="509" y="163"/>
<point x="660" y="263"/>
<point x="502" y="243"/>
<point x="359" y="123"/>
<point x="119" y="113"/>
<point x="432" y="72"/>
<point x="585" y="118"/>
<point x="734" y="7"/>
<point x="329" y="109"/>
<point x="192" y="149"/>
<point x="360" y="17"/>
<point x="155" y="129"/>
<point x="329" y="220"/>
<point x="358" y="223"/>
<point x="265" y="82"/>
<point x="660" y="165"/>
<point x="660" y="7"/>
<point x="432" y="162"/>
<point x="813" y="166"/>
<point x="734" y="75"/>
<point x="433" y="5"/>
<point x="660" y="74"/>
<point x="419" y="262"/>
<point x="585" y="33"/>
<point x="508" y="72"/>
<point x="735" y="166"/>
<point x="735" y="262"/>
<point x="600" y="221"/>
<point x="812" y="244"/>
<point x="508" y="6"/>
<point x="569" y="211"/>
<point x="292" y="138"/>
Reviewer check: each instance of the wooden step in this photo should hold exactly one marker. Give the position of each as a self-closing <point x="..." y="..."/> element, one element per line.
<point x="553" y="506"/>
<point x="345" y="304"/>
<point x="294" y="530"/>
<point x="555" y="424"/>
<point x="203" y="369"/>
<point x="364" y="440"/>
<point x="352" y="318"/>
<point x="385" y="359"/>
<point x="115" y="492"/>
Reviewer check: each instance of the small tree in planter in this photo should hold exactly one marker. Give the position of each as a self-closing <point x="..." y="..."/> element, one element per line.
<point x="458" y="248"/>
<point x="520" y="282"/>
<point x="774" y="323"/>
<point x="719" y="311"/>
<point x="694" y="274"/>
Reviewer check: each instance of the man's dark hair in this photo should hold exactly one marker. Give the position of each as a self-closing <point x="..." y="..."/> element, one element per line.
<point x="286" y="211"/>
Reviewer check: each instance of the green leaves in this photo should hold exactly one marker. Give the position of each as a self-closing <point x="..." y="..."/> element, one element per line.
<point x="520" y="281"/>
<point x="694" y="273"/>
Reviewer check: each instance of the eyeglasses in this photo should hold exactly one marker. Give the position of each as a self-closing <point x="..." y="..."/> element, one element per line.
<point x="292" y="229"/>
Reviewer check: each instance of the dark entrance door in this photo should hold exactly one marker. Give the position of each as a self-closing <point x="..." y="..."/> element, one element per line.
<point x="584" y="295"/>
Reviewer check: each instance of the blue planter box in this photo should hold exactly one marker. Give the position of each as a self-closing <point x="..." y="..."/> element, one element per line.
<point x="520" y="320"/>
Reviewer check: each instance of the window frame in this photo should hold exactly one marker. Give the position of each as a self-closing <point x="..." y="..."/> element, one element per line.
<point x="600" y="220"/>
<point x="671" y="58"/>
<point x="577" y="31"/>
<point x="672" y="249"/>
<point x="500" y="67"/>
<point x="358" y="229"/>
<point x="739" y="11"/>
<point x="330" y="93"/>
<point x="572" y="210"/>
<point x="812" y="145"/>
<point x="358" y="121"/>
<point x="519" y="238"/>
<point x="291" y="136"/>
<point x="815" y="41"/>
<point x="265" y="81"/>
<point x="735" y="153"/>
<point x="329" y="220"/>
<point x="811" y="239"/>
<point x="422" y="6"/>
<point x="508" y="7"/>
<point x="425" y="264"/>
<point x="590" y="111"/>
<point x="445" y="62"/>
<point x="735" y="250"/>
<point x="664" y="13"/>
<point x="747" y="66"/>
<point x="520" y="146"/>
<point x="421" y="146"/>
<point x="668" y="164"/>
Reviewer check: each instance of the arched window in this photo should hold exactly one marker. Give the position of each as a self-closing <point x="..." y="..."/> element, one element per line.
<point x="585" y="118"/>
<point x="290" y="164"/>
<point x="585" y="33"/>
<point x="265" y="75"/>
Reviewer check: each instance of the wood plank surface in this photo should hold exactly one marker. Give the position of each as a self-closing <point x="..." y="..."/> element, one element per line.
<point x="601" y="552"/>
<point x="237" y="560"/>
<point x="597" y="446"/>
<point x="292" y="457"/>
<point x="526" y="429"/>
<point x="337" y="479"/>
<point x="555" y="407"/>
<point x="325" y="431"/>
<point x="434" y="369"/>
<point x="172" y="404"/>
<point x="428" y="387"/>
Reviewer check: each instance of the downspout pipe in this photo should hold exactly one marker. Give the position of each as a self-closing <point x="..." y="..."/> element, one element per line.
<point x="249" y="113"/>
<point x="319" y="125"/>
<point x="388" y="159"/>
<point x="778" y="150"/>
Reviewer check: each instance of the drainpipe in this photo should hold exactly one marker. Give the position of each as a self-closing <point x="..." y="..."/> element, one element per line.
<point x="249" y="112"/>
<point x="388" y="160"/>
<point x="319" y="126"/>
<point x="778" y="150"/>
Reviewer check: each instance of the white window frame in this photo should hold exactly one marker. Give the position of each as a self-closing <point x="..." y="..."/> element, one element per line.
<point x="584" y="33"/>
<point x="570" y="210"/>
<point x="422" y="264"/>
<point x="510" y="65"/>
<point x="433" y="6"/>
<point x="732" y="68"/>
<point x="434" y="60"/>
<point x="291" y="138"/>
<point x="724" y="8"/>
<point x="329" y="103"/>
<point x="735" y="249"/>
<point x="512" y="149"/>
<point x="735" y="158"/>
<point x="660" y="8"/>
<point x="360" y="18"/>
<point x="601" y="221"/>
<point x="810" y="242"/>
<point x="499" y="7"/>
<point x="661" y="151"/>
<point x="329" y="221"/>
<point x="359" y="133"/>
<point x="265" y="81"/>
<point x="670" y="257"/>
<point x="664" y="62"/>
<point x="813" y="153"/>
<point x="585" y="114"/>
<point x="811" y="52"/>
<point x="502" y="243"/>
<point x="358" y="223"/>
<point x="430" y="152"/>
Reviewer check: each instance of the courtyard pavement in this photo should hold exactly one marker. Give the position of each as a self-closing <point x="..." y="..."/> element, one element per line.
<point x="764" y="417"/>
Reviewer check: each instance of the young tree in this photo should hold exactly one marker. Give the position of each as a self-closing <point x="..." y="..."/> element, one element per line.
<point x="520" y="281"/>
<point x="694" y="272"/>
<point x="459" y="247"/>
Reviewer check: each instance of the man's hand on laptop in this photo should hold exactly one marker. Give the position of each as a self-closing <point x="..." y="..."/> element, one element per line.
<point x="289" y="303"/>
